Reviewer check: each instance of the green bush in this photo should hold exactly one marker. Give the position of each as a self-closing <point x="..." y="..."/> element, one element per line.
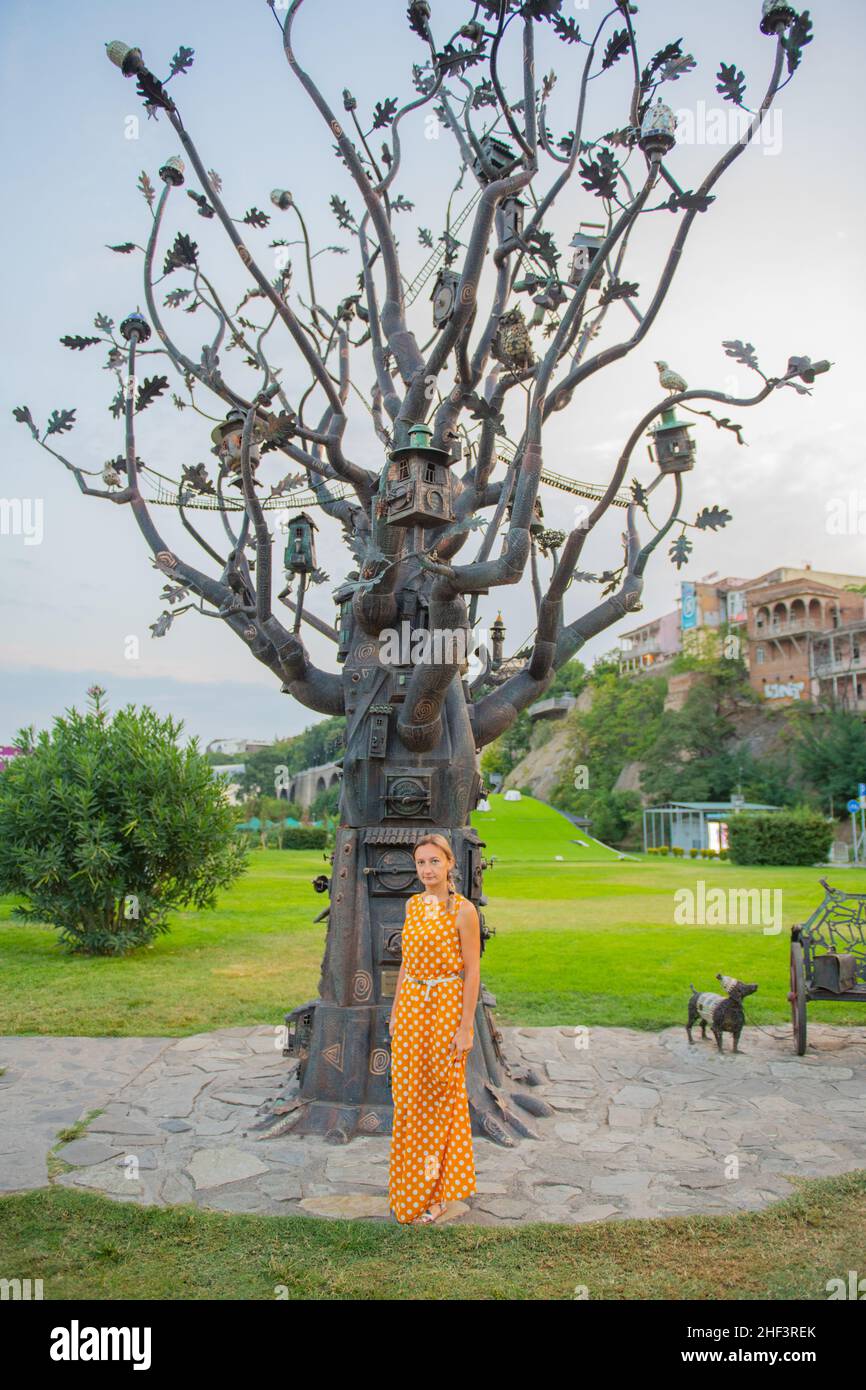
<point x="801" y="836"/>
<point x="107" y="824"/>
<point x="304" y="837"/>
<point x="678" y="851"/>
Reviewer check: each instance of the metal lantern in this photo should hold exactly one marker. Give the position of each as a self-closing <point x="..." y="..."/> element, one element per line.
<point x="418" y="489"/>
<point x="227" y="439"/>
<point x="587" y="241"/>
<point x="497" y="638"/>
<point x="172" y="171"/>
<point x="776" y="16"/>
<point x="512" y="345"/>
<point x="128" y="59"/>
<point x="281" y="198"/>
<point x="657" y="131"/>
<point x="135" y="325"/>
<point x="498" y="156"/>
<point x="513" y="210"/>
<point x="300" y="556"/>
<point x="536" y="525"/>
<point x="343" y="598"/>
<point x="444" y="296"/>
<point x="672" y="448"/>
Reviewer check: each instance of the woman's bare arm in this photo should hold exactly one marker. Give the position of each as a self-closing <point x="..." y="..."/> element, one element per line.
<point x="469" y="928"/>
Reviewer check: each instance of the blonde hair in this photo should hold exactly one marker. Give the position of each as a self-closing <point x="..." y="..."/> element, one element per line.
<point x="434" y="838"/>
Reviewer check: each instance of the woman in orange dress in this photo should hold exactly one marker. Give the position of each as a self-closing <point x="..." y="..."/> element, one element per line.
<point x="431" y="1034"/>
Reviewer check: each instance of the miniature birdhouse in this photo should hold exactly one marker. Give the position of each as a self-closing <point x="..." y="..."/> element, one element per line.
<point x="418" y="489"/>
<point x="227" y="440"/>
<point x="497" y="156"/>
<point x="657" y="130"/>
<point x="512" y="344"/>
<point x="587" y="242"/>
<point x="672" y="448"/>
<point x="513" y="210"/>
<point x="300" y="556"/>
<point x="343" y="598"/>
<point x="444" y="296"/>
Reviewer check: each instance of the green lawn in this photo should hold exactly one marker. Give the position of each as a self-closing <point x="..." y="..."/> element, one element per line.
<point x="589" y="939"/>
<point x="86" y="1246"/>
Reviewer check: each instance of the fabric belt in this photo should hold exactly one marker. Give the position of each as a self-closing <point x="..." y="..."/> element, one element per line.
<point x="429" y="982"/>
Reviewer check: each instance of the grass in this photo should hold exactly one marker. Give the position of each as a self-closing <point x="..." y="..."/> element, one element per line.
<point x="590" y="939"/>
<point x="85" y="1246"/>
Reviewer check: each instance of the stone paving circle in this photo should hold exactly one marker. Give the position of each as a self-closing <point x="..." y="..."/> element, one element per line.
<point x="644" y="1125"/>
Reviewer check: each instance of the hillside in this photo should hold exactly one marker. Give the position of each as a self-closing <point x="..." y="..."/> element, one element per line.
<point x="760" y="730"/>
<point x="532" y="832"/>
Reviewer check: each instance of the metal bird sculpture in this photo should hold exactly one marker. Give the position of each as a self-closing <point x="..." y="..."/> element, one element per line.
<point x="670" y="380"/>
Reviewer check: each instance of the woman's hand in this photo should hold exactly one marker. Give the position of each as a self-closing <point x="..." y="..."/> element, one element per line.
<point x="392" y="1022"/>
<point x="462" y="1041"/>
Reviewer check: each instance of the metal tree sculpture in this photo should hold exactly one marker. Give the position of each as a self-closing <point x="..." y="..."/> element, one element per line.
<point x="414" y="723"/>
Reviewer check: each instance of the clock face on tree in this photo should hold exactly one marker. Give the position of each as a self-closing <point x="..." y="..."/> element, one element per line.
<point x="443" y="304"/>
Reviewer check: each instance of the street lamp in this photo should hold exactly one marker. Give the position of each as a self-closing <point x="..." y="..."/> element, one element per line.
<point x="135" y="326"/>
<point x="776" y="16"/>
<point x="657" y="131"/>
<point x="172" y="171"/>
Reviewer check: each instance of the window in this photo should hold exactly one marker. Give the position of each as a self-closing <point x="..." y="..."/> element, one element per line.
<point x="404" y="470"/>
<point x="759" y="655"/>
<point x="430" y="473"/>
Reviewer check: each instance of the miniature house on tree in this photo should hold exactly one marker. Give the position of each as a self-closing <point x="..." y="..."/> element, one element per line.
<point x="419" y="487"/>
<point x="672" y="449"/>
<point x="587" y="242"/>
<point x="300" y="555"/>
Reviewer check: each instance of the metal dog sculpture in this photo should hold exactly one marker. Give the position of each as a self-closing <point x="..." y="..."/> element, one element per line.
<point x="723" y="1012"/>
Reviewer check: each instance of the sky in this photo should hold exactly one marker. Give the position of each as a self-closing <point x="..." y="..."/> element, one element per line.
<point x="777" y="261"/>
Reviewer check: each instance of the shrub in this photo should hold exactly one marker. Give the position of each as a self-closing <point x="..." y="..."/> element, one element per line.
<point x="107" y="824"/>
<point x="304" y="837"/>
<point x="801" y="836"/>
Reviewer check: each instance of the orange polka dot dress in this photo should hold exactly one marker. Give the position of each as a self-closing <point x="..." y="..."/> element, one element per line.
<point x="431" y="1137"/>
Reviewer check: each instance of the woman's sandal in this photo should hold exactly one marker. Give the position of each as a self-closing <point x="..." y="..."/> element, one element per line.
<point x="427" y="1218"/>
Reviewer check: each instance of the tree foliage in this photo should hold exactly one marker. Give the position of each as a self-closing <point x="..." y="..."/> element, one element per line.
<point x="107" y="824"/>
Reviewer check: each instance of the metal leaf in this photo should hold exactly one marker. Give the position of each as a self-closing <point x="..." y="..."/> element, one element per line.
<point x="712" y="517"/>
<point x="182" y="255"/>
<point x="731" y="83"/>
<point x="384" y="112"/>
<point x="742" y="352"/>
<point x="150" y="388"/>
<point x="60" y="421"/>
<point x="78" y="343"/>
<point x="680" y="550"/>
<point x="147" y="188"/>
<point x="618" y="44"/>
<point x="182" y="60"/>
